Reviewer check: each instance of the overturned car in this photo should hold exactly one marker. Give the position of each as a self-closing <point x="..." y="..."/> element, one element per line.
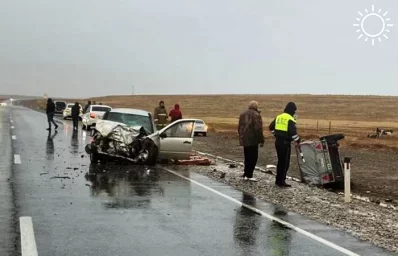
<point x="322" y="164"/>
<point x="130" y="134"/>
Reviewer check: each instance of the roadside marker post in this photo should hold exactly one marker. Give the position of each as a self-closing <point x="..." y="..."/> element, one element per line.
<point x="347" y="179"/>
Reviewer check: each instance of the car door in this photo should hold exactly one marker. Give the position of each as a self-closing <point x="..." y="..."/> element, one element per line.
<point x="175" y="140"/>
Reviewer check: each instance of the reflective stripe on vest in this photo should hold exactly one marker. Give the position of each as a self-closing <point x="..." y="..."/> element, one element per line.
<point x="282" y="121"/>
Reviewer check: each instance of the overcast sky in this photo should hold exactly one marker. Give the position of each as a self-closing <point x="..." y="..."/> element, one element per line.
<point x="80" y="48"/>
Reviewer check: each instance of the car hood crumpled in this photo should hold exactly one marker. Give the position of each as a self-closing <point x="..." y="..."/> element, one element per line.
<point x="119" y="132"/>
<point x="120" y="140"/>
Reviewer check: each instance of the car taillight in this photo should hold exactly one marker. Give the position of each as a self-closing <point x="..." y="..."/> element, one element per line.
<point x="92" y="115"/>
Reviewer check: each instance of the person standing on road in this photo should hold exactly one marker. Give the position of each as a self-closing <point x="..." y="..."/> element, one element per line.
<point x="87" y="106"/>
<point x="251" y="135"/>
<point x="160" y="115"/>
<point x="75" y="116"/>
<point x="175" y="113"/>
<point x="283" y="127"/>
<point x="50" y="110"/>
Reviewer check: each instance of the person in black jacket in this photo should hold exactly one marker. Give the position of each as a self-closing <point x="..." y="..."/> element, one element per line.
<point x="50" y="110"/>
<point x="75" y="115"/>
<point x="283" y="127"/>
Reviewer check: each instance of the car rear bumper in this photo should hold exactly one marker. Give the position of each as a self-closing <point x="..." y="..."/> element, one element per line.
<point x="200" y="130"/>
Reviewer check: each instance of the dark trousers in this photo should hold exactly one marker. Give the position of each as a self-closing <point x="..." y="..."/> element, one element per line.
<point x="76" y="123"/>
<point x="50" y="119"/>
<point x="251" y="156"/>
<point x="283" y="150"/>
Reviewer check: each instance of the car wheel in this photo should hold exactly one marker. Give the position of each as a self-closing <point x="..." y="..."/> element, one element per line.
<point x="195" y="134"/>
<point x="94" y="157"/>
<point x="153" y="152"/>
<point x="204" y="134"/>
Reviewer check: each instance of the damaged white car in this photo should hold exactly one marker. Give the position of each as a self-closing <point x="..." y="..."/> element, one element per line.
<point x="131" y="134"/>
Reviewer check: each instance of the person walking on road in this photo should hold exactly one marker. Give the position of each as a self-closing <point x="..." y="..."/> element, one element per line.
<point x="251" y="135"/>
<point x="160" y="115"/>
<point x="175" y="113"/>
<point x="50" y="110"/>
<point x="283" y="127"/>
<point x="75" y="116"/>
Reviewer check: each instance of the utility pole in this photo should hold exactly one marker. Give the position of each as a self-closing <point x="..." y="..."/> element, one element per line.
<point x="132" y="90"/>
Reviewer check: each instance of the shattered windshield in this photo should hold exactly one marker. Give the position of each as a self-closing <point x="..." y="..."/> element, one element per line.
<point x="131" y="120"/>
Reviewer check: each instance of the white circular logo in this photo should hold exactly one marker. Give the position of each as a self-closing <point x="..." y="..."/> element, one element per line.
<point x="376" y="17"/>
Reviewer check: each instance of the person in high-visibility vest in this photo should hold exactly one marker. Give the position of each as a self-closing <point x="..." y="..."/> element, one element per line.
<point x="160" y="116"/>
<point x="283" y="127"/>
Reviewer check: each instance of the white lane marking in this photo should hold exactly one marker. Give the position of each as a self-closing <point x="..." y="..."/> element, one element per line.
<point x="11" y="121"/>
<point x="17" y="159"/>
<point x="287" y="224"/>
<point x="14" y="137"/>
<point x="12" y="127"/>
<point x="28" y="241"/>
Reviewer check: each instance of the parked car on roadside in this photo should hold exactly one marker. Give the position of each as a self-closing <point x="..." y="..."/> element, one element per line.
<point x="68" y="111"/>
<point x="200" y="127"/>
<point x="3" y="104"/>
<point x="60" y="107"/>
<point x="93" y="114"/>
<point x="172" y="142"/>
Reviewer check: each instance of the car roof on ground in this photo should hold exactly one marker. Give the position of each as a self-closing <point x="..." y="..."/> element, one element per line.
<point x="132" y="111"/>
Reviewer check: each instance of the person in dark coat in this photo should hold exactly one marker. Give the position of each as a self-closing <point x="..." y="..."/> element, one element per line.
<point x="283" y="127"/>
<point x="75" y="115"/>
<point x="175" y="113"/>
<point x="250" y="130"/>
<point x="50" y="111"/>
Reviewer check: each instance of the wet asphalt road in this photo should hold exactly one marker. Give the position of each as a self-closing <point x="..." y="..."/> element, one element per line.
<point x="83" y="209"/>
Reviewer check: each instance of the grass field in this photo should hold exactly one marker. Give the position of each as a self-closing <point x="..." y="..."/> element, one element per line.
<point x="355" y="116"/>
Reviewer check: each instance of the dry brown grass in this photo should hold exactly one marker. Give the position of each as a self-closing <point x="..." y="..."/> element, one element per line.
<point x="355" y="116"/>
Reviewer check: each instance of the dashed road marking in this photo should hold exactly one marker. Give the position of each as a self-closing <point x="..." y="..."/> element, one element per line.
<point x="17" y="159"/>
<point x="264" y="214"/>
<point x="12" y="127"/>
<point x="28" y="241"/>
<point x="14" y="137"/>
<point x="11" y="121"/>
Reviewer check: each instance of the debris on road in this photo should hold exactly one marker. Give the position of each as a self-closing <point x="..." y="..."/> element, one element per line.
<point x="43" y="173"/>
<point x="195" y="160"/>
<point x="60" y="177"/>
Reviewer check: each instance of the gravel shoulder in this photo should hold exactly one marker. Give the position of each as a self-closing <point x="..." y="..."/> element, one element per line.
<point x="374" y="172"/>
<point x="366" y="221"/>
